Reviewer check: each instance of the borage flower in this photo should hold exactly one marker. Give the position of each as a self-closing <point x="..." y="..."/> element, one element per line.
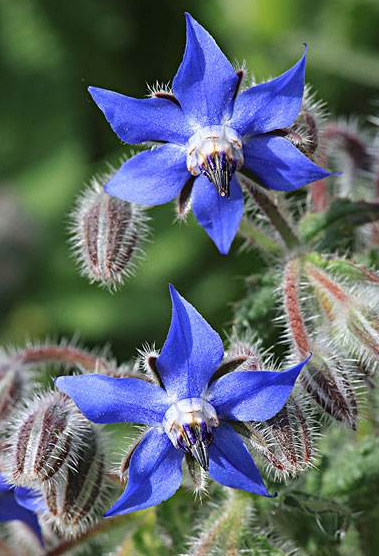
<point x="21" y="504"/>
<point x="210" y="131"/>
<point x="188" y="414"/>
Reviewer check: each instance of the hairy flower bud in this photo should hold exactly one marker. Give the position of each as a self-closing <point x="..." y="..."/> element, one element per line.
<point x="14" y="386"/>
<point x="351" y="312"/>
<point x="330" y="380"/>
<point x="47" y="436"/>
<point x="107" y="234"/>
<point x="81" y="493"/>
<point x="285" y="443"/>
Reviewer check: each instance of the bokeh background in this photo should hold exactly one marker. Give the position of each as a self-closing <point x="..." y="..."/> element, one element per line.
<point x="54" y="139"/>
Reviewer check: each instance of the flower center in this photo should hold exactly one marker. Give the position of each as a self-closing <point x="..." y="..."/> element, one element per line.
<point x="215" y="152"/>
<point x="188" y="424"/>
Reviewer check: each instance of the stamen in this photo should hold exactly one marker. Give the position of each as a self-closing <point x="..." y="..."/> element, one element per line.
<point x="215" y="152"/>
<point x="188" y="424"/>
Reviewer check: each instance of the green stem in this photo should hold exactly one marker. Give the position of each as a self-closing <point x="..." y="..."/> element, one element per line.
<point x="258" y="238"/>
<point x="272" y="212"/>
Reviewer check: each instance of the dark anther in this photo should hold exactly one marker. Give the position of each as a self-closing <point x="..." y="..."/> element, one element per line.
<point x="200" y="453"/>
<point x="219" y="170"/>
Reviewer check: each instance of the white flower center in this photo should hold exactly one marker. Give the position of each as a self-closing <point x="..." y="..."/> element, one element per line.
<point x="188" y="424"/>
<point x="216" y="152"/>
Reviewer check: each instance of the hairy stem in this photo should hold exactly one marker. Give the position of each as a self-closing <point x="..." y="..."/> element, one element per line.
<point x="272" y="212"/>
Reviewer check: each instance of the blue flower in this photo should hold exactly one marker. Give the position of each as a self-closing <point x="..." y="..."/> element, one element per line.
<point x="189" y="414"/>
<point x="209" y="131"/>
<point x="21" y="504"/>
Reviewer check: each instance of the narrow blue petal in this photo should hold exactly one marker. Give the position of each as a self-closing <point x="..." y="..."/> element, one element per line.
<point x="10" y="510"/>
<point x="253" y="395"/>
<point x="138" y="120"/>
<point x="155" y="474"/>
<point x="191" y="353"/>
<point x="231" y="464"/>
<point x="151" y="177"/>
<point x="206" y="81"/>
<point x="105" y="399"/>
<point x="278" y="165"/>
<point x="30" y="499"/>
<point x="271" y="105"/>
<point x="220" y="217"/>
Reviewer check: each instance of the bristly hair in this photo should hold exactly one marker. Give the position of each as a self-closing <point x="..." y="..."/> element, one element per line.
<point x="106" y="235"/>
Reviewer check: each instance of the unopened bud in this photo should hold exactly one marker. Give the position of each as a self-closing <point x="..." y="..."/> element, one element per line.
<point x="81" y="494"/>
<point x="107" y="234"/>
<point x="352" y="313"/>
<point x="48" y="435"/>
<point x="286" y="443"/>
<point x="14" y="386"/>
<point x="331" y="381"/>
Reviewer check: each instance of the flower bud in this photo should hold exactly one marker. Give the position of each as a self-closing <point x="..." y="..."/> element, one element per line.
<point x="107" y="234"/>
<point x="47" y="436"/>
<point x="351" y="312"/>
<point x="330" y="380"/>
<point x="285" y="443"/>
<point x="81" y="493"/>
<point x="14" y="386"/>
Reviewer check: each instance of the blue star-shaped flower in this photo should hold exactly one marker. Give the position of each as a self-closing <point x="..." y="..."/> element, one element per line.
<point x="209" y="131"/>
<point x="21" y="504"/>
<point x="190" y="413"/>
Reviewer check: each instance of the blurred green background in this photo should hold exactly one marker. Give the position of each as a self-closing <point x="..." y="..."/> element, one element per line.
<point x="54" y="139"/>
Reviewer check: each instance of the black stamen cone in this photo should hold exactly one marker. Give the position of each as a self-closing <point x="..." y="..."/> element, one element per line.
<point x="219" y="170"/>
<point x="199" y="450"/>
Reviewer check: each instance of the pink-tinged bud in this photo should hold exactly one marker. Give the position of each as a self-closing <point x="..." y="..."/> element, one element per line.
<point x="350" y="311"/>
<point x="286" y="443"/>
<point x="80" y="495"/>
<point x="107" y="234"/>
<point x="48" y="435"/>
<point x="14" y="386"/>
<point x="292" y="303"/>
<point x="329" y="379"/>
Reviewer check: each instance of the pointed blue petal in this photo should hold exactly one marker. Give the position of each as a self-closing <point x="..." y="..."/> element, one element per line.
<point x="278" y="165"/>
<point x="151" y="177"/>
<point x="231" y="464"/>
<point x="191" y="353"/>
<point x="272" y="105"/>
<point x="30" y="499"/>
<point x="155" y="474"/>
<point x="105" y="399"/>
<point x="206" y="81"/>
<point x="220" y="217"/>
<point x="138" y="120"/>
<point x="253" y="395"/>
<point x="10" y="510"/>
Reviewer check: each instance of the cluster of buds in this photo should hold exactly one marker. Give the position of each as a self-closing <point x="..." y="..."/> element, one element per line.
<point x="53" y="448"/>
<point x="47" y="445"/>
<point x="344" y="335"/>
<point x="107" y="235"/>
